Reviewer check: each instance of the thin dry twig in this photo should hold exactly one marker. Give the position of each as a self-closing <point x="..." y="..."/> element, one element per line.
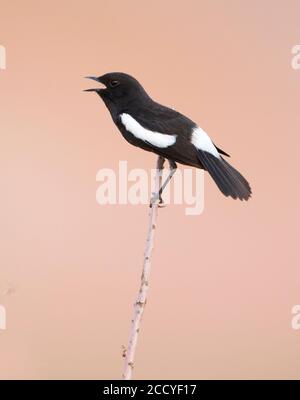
<point x="141" y="300"/>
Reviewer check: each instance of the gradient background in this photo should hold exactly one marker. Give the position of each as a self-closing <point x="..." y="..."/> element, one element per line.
<point x="223" y="283"/>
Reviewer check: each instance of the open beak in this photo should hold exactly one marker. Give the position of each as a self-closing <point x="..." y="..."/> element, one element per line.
<point x="97" y="79"/>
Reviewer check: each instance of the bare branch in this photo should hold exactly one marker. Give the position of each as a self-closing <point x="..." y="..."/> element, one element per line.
<point x="141" y="300"/>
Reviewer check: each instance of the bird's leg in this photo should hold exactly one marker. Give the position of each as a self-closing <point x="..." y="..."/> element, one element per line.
<point x="160" y="167"/>
<point x="156" y="196"/>
<point x="173" y="168"/>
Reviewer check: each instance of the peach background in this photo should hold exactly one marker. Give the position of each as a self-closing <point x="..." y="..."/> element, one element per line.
<point x="223" y="283"/>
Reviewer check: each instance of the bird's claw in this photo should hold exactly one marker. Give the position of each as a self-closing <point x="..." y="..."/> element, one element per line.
<point x="156" y="197"/>
<point x="161" y="204"/>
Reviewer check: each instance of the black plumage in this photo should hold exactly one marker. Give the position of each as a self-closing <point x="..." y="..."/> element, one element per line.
<point x="153" y="127"/>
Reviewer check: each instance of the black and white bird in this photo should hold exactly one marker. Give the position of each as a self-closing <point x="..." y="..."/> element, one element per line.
<point x="153" y="127"/>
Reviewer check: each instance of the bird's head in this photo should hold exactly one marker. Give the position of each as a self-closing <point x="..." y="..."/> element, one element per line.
<point x="119" y="88"/>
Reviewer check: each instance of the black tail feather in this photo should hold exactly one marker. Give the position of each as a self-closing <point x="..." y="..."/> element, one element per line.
<point x="228" y="179"/>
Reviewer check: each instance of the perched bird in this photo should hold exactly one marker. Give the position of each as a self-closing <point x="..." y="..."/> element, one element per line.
<point x="166" y="132"/>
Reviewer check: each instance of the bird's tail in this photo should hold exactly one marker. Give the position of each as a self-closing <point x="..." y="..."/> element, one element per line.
<point x="228" y="179"/>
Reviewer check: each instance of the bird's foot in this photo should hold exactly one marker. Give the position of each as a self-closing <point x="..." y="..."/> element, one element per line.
<point x="161" y="203"/>
<point x="154" y="199"/>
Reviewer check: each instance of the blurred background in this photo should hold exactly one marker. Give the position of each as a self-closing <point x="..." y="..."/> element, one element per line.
<point x="223" y="283"/>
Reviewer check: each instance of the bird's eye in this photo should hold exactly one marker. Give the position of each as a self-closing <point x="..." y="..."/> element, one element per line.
<point x="114" y="83"/>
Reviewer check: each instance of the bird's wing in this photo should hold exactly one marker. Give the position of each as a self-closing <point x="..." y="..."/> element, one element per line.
<point x="165" y="120"/>
<point x="158" y="118"/>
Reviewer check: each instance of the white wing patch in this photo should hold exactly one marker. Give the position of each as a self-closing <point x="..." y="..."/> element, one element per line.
<point x="202" y="141"/>
<point x="155" y="138"/>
